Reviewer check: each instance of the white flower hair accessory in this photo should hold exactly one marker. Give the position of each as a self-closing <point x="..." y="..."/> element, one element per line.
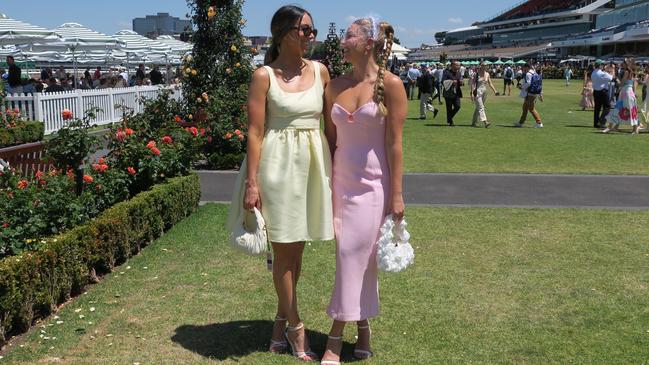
<point x="394" y="253"/>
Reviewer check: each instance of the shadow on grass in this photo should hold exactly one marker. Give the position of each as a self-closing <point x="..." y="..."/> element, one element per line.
<point x="239" y="338"/>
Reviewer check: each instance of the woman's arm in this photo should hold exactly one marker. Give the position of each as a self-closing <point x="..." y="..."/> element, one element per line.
<point x="397" y="105"/>
<point x="491" y="85"/>
<point x="256" y="119"/>
<point x="330" y="95"/>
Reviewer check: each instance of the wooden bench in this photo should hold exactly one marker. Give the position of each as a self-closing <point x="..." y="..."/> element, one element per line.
<point x="26" y="158"/>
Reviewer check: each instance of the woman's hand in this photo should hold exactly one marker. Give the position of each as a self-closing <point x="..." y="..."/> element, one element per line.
<point x="251" y="198"/>
<point x="397" y="207"/>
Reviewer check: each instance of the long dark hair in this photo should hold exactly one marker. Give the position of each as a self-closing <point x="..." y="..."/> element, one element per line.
<point x="282" y="23"/>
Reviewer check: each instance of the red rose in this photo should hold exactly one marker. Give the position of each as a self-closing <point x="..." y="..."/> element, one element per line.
<point x="192" y="130"/>
<point x="5" y="225"/>
<point x="150" y="145"/>
<point x="209" y="139"/>
<point x="101" y="161"/>
<point x="167" y="140"/>
<point x="202" y="131"/>
<point x="130" y="170"/>
<point x="177" y="119"/>
<point x="120" y="135"/>
<point x="128" y="131"/>
<point x="155" y="151"/>
<point x="103" y="167"/>
<point x="88" y="179"/>
<point x="237" y="132"/>
<point x="66" y="114"/>
<point x="22" y="184"/>
<point x="39" y="174"/>
<point x="95" y="166"/>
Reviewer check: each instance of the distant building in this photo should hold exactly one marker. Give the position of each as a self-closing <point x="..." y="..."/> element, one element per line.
<point x="259" y="41"/>
<point x="162" y="23"/>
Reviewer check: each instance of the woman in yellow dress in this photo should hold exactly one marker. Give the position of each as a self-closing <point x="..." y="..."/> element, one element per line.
<point x="287" y="171"/>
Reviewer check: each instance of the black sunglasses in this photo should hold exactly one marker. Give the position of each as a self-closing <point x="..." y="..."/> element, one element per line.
<point x="307" y="30"/>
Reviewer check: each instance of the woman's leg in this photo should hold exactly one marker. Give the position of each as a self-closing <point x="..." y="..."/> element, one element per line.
<point x="286" y="271"/>
<point x="363" y="342"/>
<point x="334" y="342"/>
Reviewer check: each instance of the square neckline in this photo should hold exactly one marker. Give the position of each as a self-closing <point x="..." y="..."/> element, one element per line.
<point x="315" y="79"/>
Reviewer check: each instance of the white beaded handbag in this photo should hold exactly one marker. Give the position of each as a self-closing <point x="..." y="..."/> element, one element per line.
<point x="250" y="234"/>
<point x="394" y="253"/>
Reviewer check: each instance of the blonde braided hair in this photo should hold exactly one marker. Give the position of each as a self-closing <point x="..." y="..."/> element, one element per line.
<point x="382" y="51"/>
<point x="383" y="36"/>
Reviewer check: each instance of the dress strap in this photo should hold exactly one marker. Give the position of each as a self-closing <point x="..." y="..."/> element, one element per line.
<point x="271" y="75"/>
<point x="318" y="74"/>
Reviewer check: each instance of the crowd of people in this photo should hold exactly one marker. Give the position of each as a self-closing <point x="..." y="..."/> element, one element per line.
<point x="434" y="81"/>
<point x="607" y="89"/>
<point x="49" y="81"/>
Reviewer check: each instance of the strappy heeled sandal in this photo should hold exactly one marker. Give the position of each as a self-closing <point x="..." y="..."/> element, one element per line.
<point x="363" y="354"/>
<point x="306" y="355"/>
<point x="278" y="346"/>
<point x="332" y="362"/>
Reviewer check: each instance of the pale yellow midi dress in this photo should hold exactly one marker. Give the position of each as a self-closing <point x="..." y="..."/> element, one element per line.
<point x="294" y="172"/>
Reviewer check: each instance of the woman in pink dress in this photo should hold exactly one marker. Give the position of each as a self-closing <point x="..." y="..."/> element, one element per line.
<point x="364" y="128"/>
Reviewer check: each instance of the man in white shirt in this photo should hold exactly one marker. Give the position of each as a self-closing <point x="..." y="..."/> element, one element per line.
<point x="530" y="98"/>
<point x="508" y="77"/>
<point x="601" y="81"/>
<point x="413" y="74"/>
<point x="567" y="74"/>
<point x="439" y="74"/>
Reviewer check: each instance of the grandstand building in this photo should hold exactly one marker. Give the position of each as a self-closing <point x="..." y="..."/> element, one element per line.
<point x="621" y="31"/>
<point x="538" y="21"/>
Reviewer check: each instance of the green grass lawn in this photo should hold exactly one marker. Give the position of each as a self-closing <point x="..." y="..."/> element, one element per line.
<point x="568" y="144"/>
<point x="507" y="286"/>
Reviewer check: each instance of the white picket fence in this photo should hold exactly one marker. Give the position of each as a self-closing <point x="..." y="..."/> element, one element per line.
<point x="48" y="107"/>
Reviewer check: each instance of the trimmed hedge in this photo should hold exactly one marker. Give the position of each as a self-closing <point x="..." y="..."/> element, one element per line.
<point x="33" y="284"/>
<point x="27" y="132"/>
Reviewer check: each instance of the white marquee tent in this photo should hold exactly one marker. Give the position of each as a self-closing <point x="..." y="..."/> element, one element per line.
<point x="14" y="32"/>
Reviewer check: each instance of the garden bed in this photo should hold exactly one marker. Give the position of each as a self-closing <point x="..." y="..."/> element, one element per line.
<point x="34" y="283"/>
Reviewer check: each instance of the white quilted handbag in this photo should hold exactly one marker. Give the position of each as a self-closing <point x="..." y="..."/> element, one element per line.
<point x="250" y="235"/>
<point x="394" y="253"/>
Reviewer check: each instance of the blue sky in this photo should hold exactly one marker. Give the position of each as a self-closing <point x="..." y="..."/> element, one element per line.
<point x="415" y="21"/>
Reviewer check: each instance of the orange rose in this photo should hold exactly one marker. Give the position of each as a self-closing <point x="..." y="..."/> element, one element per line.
<point x="155" y="151"/>
<point x="228" y="135"/>
<point x="22" y="184"/>
<point x="128" y="131"/>
<point x="88" y="179"/>
<point x="150" y="145"/>
<point x="66" y="114"/>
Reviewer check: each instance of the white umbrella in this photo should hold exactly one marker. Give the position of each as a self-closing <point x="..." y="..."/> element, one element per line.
<point x="148" y="50"/>
<point x="14" y="32"/>
<point x="178" y="47"/>
<point x="77" y="39"/>
<point x="397" y="48"/>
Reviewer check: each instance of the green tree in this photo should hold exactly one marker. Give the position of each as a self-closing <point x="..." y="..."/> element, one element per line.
<point x="334" y="54"/>
<point x="216" y="76"/>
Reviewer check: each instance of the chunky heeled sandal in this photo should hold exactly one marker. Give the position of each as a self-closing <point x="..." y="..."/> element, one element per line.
<point x="306" y="355"/>
<point x="363" y="354"/>
<point x="332" y="362"/>
<point x="278" y="346"/>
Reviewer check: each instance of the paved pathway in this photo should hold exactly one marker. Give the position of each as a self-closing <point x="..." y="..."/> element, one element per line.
<point x="493" y="190"/>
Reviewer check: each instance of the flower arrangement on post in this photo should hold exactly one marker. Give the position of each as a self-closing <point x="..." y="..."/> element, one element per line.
<point x="216" y="77"/>
<point x="72" y="144"/>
